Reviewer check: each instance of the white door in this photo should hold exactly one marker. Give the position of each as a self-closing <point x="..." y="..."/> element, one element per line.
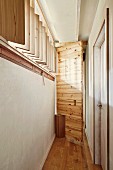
<point x="100" y="86"/>
<point x="97" y="93"/>
<point x="103" y="108"/>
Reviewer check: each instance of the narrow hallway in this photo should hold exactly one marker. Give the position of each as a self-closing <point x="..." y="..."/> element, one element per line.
<point x="56" y="78"/>
<point x="68" y="156"/>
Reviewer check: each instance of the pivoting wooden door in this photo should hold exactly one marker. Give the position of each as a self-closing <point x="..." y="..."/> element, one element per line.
<point x="69" y="89"/>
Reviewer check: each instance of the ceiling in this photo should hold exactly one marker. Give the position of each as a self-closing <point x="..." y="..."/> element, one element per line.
<point x="70" y="20"/>
<point x="87" y="15"/>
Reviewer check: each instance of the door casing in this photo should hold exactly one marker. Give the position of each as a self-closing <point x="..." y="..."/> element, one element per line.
<point x="98" y="44"/>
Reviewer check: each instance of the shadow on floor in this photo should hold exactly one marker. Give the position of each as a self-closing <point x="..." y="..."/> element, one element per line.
<point x="68" y="156"/>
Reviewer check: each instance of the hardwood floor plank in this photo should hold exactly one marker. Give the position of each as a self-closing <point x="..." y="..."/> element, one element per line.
<point x="65" y="155"/>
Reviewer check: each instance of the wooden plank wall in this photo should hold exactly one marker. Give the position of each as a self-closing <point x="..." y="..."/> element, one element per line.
<point x="12" y="20"/>
<point x="69" y="89"/>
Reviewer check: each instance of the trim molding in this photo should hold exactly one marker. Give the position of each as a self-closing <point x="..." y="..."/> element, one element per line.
<point x="23" y="62"/>
<point x="107" y="57"/>
<point x="88" y="141"/>
<point x="106" y="22"/>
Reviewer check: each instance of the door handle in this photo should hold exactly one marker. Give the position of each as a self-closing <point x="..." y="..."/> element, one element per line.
<point x="99" y="105"/>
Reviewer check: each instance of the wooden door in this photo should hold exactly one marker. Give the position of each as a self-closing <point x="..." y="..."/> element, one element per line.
<point x="69" y="90"/>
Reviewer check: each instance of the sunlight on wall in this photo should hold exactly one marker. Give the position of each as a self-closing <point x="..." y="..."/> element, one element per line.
<point x="72" y="72"/>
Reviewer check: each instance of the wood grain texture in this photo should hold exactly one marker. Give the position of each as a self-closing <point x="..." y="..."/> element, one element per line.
<point x="67" y="45"/>
<point x="68" y="156"/>
<point x="60" y="126"/>
<point x="69" y="89"/>
<point x="12" y="20"/>
<point x="38" y="44"/>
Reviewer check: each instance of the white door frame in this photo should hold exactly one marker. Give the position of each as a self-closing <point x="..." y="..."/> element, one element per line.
<point x="103" y="35"/>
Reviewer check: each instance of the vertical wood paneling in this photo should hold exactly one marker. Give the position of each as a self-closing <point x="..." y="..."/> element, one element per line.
<point x="12" y="20"/>
<point x="69" y="91"/>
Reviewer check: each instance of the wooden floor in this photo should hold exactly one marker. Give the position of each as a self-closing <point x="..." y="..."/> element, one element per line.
<point x="68" y="156"/>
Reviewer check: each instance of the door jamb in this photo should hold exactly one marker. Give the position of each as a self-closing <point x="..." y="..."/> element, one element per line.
<point x="106" y="22"/>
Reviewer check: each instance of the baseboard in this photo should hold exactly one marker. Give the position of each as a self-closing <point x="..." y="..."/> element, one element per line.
<point x="86" y="135"/>
<point x="89" y="144"/>
<point x="46" y="154"/>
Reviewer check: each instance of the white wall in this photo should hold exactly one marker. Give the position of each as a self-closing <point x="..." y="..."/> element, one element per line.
<point x="26" y="117"/>
<point x="99" y="18"/>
